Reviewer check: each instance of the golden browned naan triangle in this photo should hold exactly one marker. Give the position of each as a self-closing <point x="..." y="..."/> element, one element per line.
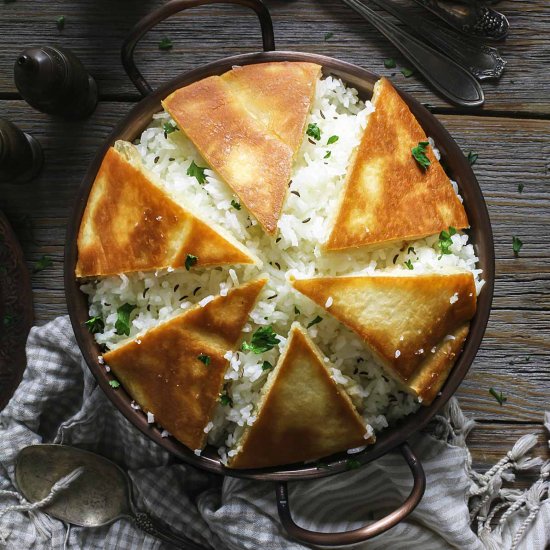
<point x="279" y="94"/>
<point x="387" y="195"/>
<point x="161" y="369"/>
<point x="254" y="162"/>
<point x="400" y="317"/>
<point x="302" y="414"/>
<point x="130" y="224"/>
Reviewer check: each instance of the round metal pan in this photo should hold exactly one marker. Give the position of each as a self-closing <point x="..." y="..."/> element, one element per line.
<point x="392" y="438"/>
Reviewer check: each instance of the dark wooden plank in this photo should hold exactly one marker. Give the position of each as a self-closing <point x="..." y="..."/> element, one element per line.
<point x="510" y="152"/>
<point x="95" y="30"/>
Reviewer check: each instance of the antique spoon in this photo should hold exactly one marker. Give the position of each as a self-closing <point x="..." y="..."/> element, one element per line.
<point x="444" y="74"/>
<point x="99" y="494"/>
<point x="481" y="60"/>
<point x="473" y="18"/>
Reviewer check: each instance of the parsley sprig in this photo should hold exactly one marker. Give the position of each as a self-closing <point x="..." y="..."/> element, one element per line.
<point x="313" y="131"/>
<point x="499" y="396"/>
<point x="445" y="240"/>
<point x="264" y="339"/>
<point x="516" y="245"/>
<point x="190" y="261"/>
<point x="122" y="324"/>
<point x="95" y="325"/>
<point x="206" y="359"/>
<point x="419" y="154"/>
<point x="197" y="172"/>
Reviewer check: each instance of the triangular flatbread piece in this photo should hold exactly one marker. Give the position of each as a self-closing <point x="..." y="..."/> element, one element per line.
<point x="388" y="196"/>
<point x="130" y="224"/>
<point x="254" y="162"/>
<point x="176" y="370"/>
<point x="302" y="414"/>
<point x="401" y="318"/>
<point x="279" y="94"/>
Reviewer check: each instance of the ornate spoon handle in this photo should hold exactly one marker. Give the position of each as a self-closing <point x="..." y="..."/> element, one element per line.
<point x="481" y="60"/>
<point x="445" y="75"/>
<point x="153" y="527"/>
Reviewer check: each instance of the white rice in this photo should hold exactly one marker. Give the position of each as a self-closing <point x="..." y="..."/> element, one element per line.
<point x="314" y="190"/>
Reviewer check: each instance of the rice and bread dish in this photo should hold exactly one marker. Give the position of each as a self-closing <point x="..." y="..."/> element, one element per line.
<point x="276" y="267"/>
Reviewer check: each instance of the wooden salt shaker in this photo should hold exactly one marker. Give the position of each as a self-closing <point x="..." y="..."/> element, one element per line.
<point x="54" y="81"/>
<point x="20" y="154"/>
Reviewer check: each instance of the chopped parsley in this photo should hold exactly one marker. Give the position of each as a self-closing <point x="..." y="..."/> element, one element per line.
<point x="197" y="172"/>
<point x="226" y="400"/>
<point x="262" y="340"/>
<point x="315" y="321"/>
<point x="352" y="464"/>
<point x="266" y="365"/>
<point x="95" y="325"/>
<point x="41" y="264"/>
<point x="313" y="131"/>
<point x="516" y="245"/>
<point x="168" y="127"/>
<point x="329" y="35"/>
<point x="409" y="264"/>
<point x="520" y="187"/>
<point x="332" y="139"/>
<point x="60" y="22"/>
<point x="390" y="63"/>
<point x="419" y="154"/>
<point x="472" y="158"/>
<point x="190" y="261"/>
<point x="499" y="396"/>
<point x="114" y="384"/>
<point x="203" y="358"/>
<point x="296" y="311"/>
<point x="445" y="240"/>
<point x="235" y="204"/>
<point x="165" y="44"/>
<point x="406" y="72"/>
<point x="122" y="324"/>
<point x="327" y="155"/>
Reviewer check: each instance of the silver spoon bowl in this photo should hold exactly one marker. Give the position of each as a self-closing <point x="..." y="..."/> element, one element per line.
<point x="99" y="495"/>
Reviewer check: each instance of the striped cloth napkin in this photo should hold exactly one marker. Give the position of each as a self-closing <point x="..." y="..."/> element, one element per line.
<point x="59" y="401"/>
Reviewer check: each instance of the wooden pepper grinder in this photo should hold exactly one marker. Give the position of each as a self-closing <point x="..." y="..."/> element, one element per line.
<point x="20" y="154"/>
<point x="54" y="81"/>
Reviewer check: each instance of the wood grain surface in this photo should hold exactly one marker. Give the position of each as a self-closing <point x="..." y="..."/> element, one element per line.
<point x="511" y="135"/>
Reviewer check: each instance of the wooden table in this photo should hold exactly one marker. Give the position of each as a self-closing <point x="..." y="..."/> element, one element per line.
<point x="511" y="135"/>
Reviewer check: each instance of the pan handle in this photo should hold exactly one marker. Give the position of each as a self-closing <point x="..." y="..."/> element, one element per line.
<point x="175" y="6"/>
<point x="363" y="533"/>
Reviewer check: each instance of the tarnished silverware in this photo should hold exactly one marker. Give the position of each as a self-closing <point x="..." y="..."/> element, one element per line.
<point x="473" y="18"/>
<point x="99" y="494"/>
<point x="444" y="74"/>
<point x="482" y="61"/>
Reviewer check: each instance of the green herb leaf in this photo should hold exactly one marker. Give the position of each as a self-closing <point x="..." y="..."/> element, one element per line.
<point x="165" y="44"/>
<point x="406" y="72"/>
<point x="472" y="158"/>
<point x="329" y="35"/>
<point x="327" y="155"/>
<point x="262" y="340"/>
<point x="498" y="396"/>
<point x="197" y="172"/>
<point x="60" y="22"/>
<point x="352" y="464"/>
<point x="296" y="311"/>
<point x="41" y="264"/>
<point x="390" y="63"/>
<point x="419" y="154"/>
<point x="204" y="359"/>
<point x="235" y="205"/>
<point x="190" y="261"/>
<point x="169" y="127"/>
<point x="122" y="324"/>
<point x="114" y="384"/>
<point x="409" y="264"/>
<point x="95" y="325"/>
<point x="266" y="365"/>
<point x="520" y="187"/>
<point x="226" y="400"/>
<point x="516" y="245"/>
<point x="315" y="321"/>
<point x="313" y="131"/>
<point x="332" y="139"/>
<point x="445" y="240"/>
